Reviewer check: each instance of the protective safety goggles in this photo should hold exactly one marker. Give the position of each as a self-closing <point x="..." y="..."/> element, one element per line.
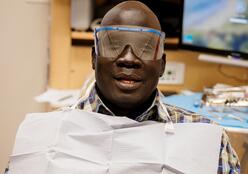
<point x="146" y="43"/>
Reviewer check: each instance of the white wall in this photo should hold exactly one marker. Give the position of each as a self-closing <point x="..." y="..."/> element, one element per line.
<point x="23" y="65"/>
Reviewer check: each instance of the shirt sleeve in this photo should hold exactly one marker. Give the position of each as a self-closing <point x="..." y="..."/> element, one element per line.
<point x="228" y="161"/>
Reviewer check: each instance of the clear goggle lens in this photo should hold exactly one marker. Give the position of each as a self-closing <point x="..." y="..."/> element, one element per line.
<point x="146" y="43"/>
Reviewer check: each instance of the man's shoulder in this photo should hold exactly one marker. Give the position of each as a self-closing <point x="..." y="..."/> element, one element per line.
<point x="180" y="115"/>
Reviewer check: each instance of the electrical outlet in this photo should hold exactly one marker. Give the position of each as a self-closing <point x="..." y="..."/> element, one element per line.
<point x="174" y="73"/>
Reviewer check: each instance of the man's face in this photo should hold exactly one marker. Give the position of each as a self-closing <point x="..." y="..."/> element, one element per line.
<point x="127" y="81"/>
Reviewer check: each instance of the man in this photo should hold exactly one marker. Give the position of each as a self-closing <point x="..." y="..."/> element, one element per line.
<point x="128" y="63"/>
<point x="128" y="60"/>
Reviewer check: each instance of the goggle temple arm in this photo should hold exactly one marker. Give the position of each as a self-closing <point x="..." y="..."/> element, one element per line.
<point x="156" y="51"/>
<point x="162" y="36"/>
<point x="96" y="42"/>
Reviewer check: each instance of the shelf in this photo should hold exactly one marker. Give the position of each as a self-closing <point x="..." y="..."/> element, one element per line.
<point x="172" y="41"/>
<point x="79" y="35"/>
<point x="88" y="36"/>
<point x="223" y="60"/>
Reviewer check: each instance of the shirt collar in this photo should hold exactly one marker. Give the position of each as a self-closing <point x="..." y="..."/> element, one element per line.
<point x="156" y="112"/>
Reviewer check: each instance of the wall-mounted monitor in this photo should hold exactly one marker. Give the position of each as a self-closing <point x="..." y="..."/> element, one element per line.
<point x="217" y="26"/>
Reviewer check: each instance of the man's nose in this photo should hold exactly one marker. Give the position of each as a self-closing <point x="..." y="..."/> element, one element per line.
<point x="128" y="59"/>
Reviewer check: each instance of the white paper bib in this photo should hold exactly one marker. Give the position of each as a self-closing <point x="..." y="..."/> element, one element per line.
<point x="79" y="142"/>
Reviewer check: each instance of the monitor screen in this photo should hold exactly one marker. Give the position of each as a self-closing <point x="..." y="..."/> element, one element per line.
<point x="219" y="26"/>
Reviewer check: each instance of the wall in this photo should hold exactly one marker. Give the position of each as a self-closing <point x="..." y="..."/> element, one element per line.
<point x="23" y="65"/>
<point x="200" y="74"/>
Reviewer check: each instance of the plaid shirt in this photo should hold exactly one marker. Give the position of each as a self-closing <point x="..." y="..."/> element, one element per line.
<point x="158" y="111"/>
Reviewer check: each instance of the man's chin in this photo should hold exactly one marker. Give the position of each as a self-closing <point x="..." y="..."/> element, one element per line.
<point x="128" y="101"/>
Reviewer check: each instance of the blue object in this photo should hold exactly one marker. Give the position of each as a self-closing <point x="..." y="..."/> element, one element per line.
<point x="232" y="118"/>
<point x="140" y="29"/>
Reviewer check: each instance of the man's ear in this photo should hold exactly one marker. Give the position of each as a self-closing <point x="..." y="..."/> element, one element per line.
<point x="93" y="58"/>
<point x="163" y="63"/>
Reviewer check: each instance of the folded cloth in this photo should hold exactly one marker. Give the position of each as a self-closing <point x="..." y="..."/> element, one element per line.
<point x="79" y="142"/>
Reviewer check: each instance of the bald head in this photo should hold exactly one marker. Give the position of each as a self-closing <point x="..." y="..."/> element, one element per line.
<point x="131" y="13"/>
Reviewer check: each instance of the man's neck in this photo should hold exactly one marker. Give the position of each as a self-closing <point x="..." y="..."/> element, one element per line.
<point x="132" y="113"/>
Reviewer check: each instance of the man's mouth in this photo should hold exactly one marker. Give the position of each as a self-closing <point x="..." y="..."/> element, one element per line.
<point x="126" y="82"/>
